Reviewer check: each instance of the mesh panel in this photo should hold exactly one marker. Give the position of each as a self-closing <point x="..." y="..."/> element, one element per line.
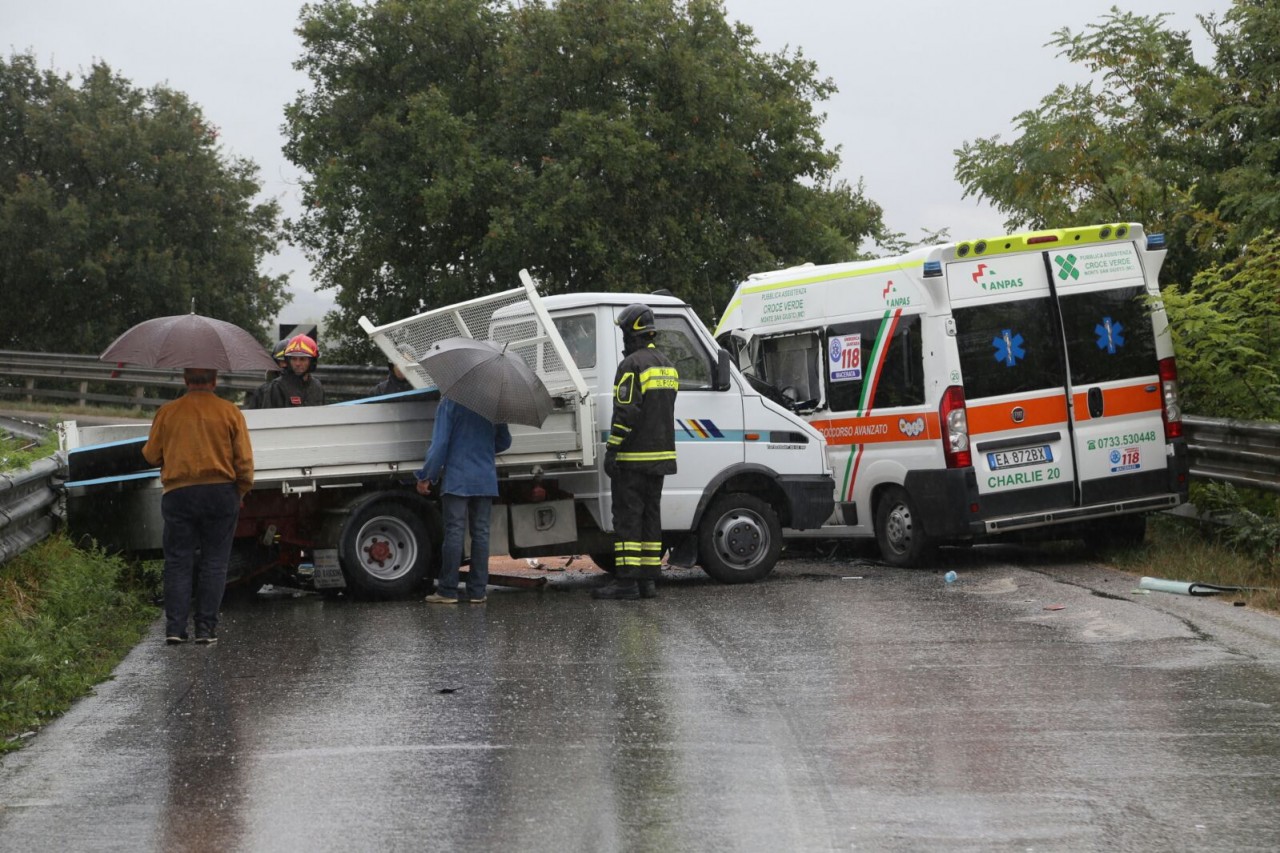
<point x="505" y="318"/>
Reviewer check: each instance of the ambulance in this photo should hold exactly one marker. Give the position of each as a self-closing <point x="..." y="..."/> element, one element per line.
<point x="1022" y="385"/>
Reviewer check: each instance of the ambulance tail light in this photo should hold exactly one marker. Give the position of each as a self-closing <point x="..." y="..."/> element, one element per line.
<point x="955" y="428"/>
<point x="1172" y="409"/>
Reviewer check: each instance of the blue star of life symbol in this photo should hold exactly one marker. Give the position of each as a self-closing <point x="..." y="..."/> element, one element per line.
<point x="1110" y="335"/>
<point x="1008" y="348"/>
<point x="835" y="349"/>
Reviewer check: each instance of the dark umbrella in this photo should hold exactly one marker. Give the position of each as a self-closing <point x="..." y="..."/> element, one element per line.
<point x="189" y="340"/>
<point x="488" y="380"/>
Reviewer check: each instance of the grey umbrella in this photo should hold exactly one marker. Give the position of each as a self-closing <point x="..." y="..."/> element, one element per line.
<point x="189" y="340"/>
<point x="488" y="380"/>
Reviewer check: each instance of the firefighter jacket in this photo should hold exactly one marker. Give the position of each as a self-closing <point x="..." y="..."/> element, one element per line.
<point x="642" y="437"/>
<point x="290" y="390"/>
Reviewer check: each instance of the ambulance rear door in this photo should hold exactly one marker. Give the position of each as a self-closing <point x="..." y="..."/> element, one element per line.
<point x="1113" y="370"/>
<point x="1061" y="377"/>
<point x="1015" y="384"/>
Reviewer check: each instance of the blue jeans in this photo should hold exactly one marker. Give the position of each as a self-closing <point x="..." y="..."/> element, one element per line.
<point x="458" y="509"/>
<point x="203" y="519"/>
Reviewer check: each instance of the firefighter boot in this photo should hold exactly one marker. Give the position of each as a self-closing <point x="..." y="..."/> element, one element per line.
<point x="618" y="590"/>
<point x="648" y="588"/>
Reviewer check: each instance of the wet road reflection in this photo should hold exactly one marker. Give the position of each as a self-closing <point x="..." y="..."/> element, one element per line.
<point x="807" y="712"/>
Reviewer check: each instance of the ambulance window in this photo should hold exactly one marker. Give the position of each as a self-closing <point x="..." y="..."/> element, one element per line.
<point x="848" y="351"/>
<point x="579" y="335"/>
<point x="1109" y="335"/>
<point x="678" y="342"/>
<point x="1008" y="348"/>
<point x="789" y="364"/>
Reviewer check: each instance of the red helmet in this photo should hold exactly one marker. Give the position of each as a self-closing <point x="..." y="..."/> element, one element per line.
<point x="302" y="345"/>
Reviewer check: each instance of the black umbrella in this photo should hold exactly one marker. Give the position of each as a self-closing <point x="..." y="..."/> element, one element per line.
<point x="488" y="380"/>
<point x="189" y="340"/>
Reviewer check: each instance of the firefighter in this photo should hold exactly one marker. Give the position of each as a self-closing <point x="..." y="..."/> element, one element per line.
<point x="297" y="386"/>
<point x="257" y="398"/>
<point x="640" y="452"/>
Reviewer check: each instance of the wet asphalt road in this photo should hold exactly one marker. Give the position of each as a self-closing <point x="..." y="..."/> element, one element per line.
<point x="806" y="712"/>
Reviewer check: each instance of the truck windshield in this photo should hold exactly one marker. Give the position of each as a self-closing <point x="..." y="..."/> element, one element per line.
<point x="678" y="342"/>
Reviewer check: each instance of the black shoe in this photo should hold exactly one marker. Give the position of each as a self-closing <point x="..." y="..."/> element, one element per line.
<point x="206" y="639"/>
<point x="174" y="640"/>
<point x="648" y="589"/>
<point x="617" y="591"/>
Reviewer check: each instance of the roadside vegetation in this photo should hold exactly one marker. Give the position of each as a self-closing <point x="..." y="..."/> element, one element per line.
<point x="18" y="453"/>
<point x="67" y="618"/>
<point x="1213" y="552"/>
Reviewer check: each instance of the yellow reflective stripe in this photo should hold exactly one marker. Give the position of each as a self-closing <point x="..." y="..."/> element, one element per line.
<point x="614" y="440"/>
<point x="656" y="456"/>
<point x="651" y="546"/>
<point x="650" y="561"/>
<point x="626" y="546"/>
<point x="622" y="427"/>
<point x="659" y="378"/>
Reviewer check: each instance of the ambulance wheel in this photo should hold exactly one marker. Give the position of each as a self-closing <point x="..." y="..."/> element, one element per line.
<point x="739" y="539"/>
<point x="386" y="550"/>
<point x="899" y="533"/>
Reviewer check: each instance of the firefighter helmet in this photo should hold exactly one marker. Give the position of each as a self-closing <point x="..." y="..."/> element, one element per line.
<point x="636" y="321"/>
<point x="302" y="345"/>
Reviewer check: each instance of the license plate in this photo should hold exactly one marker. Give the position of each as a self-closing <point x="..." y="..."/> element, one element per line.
<point x="1021" y="456"/>
<point x="328" y="574"/>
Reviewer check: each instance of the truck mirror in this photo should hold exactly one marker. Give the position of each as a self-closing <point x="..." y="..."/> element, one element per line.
<point x="722" y="371"/>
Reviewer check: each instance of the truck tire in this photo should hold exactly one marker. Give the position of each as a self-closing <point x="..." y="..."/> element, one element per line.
<point x="899" y="533"/>
<point x="739" y="539"/>
<point x="386" y="550"/>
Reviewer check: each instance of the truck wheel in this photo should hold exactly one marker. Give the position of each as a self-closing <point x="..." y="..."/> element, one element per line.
<point x="385" y="550"/>
<point x="899" y="533"/>
<point x="739" y="539"/>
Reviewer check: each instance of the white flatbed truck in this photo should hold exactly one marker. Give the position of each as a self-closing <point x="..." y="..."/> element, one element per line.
<point x="334" y="504"/>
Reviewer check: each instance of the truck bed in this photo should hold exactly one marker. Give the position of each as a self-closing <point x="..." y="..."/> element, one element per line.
<point x="299" y="449"/>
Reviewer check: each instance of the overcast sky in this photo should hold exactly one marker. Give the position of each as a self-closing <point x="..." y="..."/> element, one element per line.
<point x="917" y="78"/>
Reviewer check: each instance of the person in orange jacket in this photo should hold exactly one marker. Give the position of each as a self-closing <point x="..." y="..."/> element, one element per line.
<point x="201" y="444"/>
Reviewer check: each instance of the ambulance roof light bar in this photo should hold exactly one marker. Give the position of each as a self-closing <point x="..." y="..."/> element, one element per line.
<point x="1154" y="242"/>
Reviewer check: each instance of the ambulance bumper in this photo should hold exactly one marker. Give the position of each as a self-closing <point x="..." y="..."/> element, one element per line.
<point x="1082" y="513"/>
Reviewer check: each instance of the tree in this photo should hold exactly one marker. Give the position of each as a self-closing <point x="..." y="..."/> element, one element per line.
<point x="1189" y="150"/>
<point x="116" y="206"/>
<point x="1226" y="331"/>
<point x="1133" y="146"/>
<point x="613" y="145"/>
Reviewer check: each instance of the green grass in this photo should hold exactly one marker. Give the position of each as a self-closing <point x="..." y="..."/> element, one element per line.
<point x="1178" y="549"/>
<point x="17" y="453"/>
<point x="67" y="617"/>
<point x="62" y="412"/>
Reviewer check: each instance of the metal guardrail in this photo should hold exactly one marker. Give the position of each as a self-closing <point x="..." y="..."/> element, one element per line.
<point x="83" y="380"/>
<point x="1245" y="453"/>
<point x="30" y="509"/>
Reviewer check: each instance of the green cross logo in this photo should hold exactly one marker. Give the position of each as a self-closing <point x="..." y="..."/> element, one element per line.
<point x="1068" y="265"/>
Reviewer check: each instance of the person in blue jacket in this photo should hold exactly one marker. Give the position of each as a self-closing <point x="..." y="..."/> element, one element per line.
<point x="462" y="453"/>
